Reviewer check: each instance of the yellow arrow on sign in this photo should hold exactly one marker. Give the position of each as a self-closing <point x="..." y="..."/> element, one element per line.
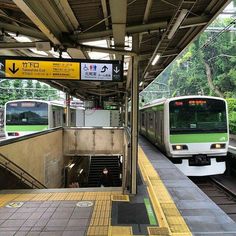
<point x="30" y="69"/>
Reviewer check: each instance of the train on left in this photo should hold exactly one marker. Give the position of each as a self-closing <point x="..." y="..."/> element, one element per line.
<point x="27" y="116"/>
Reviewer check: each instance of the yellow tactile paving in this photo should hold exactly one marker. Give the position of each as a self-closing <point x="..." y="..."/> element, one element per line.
<point x="170" y="220"/>
<point x="120" y="198"/>
<point x="89" y="196"/>
<point x="158" y="231"/>
<point x="74" y="196"/>
<point x="42" y="197"/>
<point x="101" y="216"/>
<point x="5" y="198"/>
<point x="25" y="197"/>
<point x="58" y="197"/>
<point x="120" y="231"/>
<point x="97" y="231"/>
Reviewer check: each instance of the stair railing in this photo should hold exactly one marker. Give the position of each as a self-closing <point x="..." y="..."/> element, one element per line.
<point x="23" y="175"/>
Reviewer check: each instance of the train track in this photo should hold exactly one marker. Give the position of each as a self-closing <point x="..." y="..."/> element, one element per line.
<point x="223" y="196"/>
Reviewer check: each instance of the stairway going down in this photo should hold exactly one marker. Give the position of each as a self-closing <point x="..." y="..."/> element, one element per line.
<point x="98" y="163"/>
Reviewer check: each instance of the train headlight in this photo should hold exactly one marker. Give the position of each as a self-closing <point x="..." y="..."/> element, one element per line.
<point x="179" y="147"/>
<point x="218" y="146"/>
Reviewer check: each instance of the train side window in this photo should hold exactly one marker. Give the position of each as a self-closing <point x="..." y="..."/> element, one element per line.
<point x="64" y="118"/>
<point x="143" y="119"/>
<point x="151" y="120"/>
<point x="54" y="118"/>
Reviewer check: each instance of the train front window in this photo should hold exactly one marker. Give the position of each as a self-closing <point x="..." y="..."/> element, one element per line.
<point x="27" y="113"/>
<point x="197" y="116"/>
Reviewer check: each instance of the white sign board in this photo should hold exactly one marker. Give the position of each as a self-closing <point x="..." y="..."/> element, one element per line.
<point x="95" y="71"/>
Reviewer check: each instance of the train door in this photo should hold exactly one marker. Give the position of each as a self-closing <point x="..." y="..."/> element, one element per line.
<point x="161" y="119"/>
<point x="157" y="126"/>
<point x="72" y="117"/>
<point x="57" y="116"/>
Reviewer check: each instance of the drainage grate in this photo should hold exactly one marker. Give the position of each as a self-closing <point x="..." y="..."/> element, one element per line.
<point x="120" y="198"/>
<point x="158" y="231"/>
<point x="125" y="213"/>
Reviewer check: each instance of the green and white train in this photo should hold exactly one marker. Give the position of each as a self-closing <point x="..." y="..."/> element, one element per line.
<point x="29" y="116"/>
<point x="191" y="130"/>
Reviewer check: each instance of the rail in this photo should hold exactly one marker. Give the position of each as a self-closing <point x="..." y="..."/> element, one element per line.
<point x="232" y="149"/>
<point x="23" y="175"/>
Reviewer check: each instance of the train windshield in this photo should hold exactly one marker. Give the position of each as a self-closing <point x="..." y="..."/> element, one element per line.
<point x="197" y="116"/>
<point x="27" y="113"/>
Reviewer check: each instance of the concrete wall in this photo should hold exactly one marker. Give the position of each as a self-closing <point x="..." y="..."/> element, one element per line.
<point x="89" y="141"/>
<point x="41" y="156"/>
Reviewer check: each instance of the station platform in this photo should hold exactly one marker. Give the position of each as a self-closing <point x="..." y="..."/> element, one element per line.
<point x="167" y="203"/>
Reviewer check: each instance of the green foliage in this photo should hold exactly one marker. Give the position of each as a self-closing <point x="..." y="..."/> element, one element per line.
<point x="22" y="89"/>
<point x="232" y="114"/>
<point x="187" y="75"/>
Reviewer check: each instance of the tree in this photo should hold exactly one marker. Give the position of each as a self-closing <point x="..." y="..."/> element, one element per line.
<point x="38" y="91"/>
<point x="5" y="91"/>
<point x="29" y="89"/>
<point x="18" y="92"/>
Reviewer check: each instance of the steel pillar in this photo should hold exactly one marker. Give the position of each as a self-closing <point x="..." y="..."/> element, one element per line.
<point x="134" y="125"/>
<point x="68" y="120"/>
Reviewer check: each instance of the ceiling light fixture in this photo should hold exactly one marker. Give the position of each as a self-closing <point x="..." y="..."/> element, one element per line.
<point x="177" y="23"/>
<point x="156" y="58"/>
<point x="141" y="83"/>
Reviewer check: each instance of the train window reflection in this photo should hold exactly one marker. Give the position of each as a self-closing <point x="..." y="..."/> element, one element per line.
<point x="194" y="117"/>
<point x="23" y="114"/>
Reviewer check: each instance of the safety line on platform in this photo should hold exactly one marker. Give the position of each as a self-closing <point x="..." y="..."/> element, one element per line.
<point x="169" y="218"/>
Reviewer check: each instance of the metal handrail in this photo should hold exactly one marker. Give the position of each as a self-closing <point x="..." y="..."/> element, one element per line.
<point x="20" y="172"/>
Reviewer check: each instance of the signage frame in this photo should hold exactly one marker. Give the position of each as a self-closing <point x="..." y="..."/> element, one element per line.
<point x="14" y="69"/>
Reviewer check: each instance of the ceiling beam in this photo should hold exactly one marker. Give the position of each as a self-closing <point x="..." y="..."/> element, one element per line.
<point x="129" y="30"/>
<point x="118" y="17"/>
<point x="144" y="28"/>
<point x="105" y="50"/>
<point x="68" y="14"/>
<point x="146" y="16"/>
<point x="31" y="9"/>
<point x="71" y="23"/>
<point x="23" y="31"/>
<point x="105" y="14"/>
<point x="52" y="17"/>
<point x="81" y="47"/>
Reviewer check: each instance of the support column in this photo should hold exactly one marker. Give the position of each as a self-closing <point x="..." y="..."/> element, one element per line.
<point x="134" y="125"/>
<point x="68" y="121"/>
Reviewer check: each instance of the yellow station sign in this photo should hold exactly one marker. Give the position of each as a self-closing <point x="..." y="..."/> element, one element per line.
<point x="30" y="69"/>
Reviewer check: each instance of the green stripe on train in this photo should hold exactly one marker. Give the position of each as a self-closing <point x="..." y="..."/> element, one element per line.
<point x="15" y="128"/>
<point x="199" y="138"/>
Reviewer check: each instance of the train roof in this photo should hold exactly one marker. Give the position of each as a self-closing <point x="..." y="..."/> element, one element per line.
<point x="165" y="100"/>
<point x="56" y="103"/>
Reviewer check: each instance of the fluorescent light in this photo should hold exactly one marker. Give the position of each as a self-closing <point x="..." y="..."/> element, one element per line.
<point x="42" y="53"/>
<point x="81" y="171"/>
<point x="99" y="55"/>
<point x="21" y="38"/>
<point x="141" y="83"/>
<point x="71" y="165"/>
<point x="177" y="23"/>
<point x="156" y="58"/>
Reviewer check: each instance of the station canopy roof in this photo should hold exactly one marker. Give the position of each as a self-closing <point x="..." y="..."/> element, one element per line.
<point x="105" y="29"/>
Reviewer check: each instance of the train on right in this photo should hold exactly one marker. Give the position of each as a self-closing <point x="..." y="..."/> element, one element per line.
<point x="192" y="131"/>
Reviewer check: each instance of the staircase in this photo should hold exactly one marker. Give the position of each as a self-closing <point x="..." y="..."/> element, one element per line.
<point x="14" y="176"/>
<point x="10" y="181"/>
<point x="98" y="163"/>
